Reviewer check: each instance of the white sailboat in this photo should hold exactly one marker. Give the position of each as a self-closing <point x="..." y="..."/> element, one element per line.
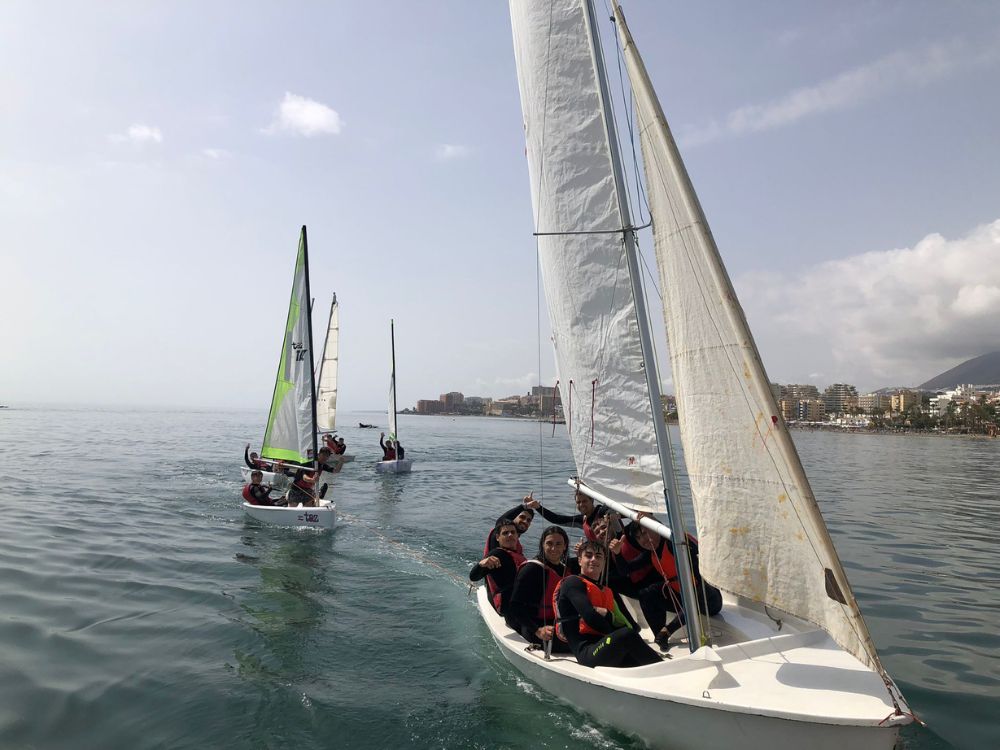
<point x="326" y="377"/>
<point x="789" y="661"/>
<point x="290" y="435"/>
<point x="399" y="465"/>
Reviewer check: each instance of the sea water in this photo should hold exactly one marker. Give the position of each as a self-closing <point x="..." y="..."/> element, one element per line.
<point x="142" y="609"/>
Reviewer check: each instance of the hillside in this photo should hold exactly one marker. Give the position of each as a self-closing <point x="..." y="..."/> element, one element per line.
<point x="982" y="370"/>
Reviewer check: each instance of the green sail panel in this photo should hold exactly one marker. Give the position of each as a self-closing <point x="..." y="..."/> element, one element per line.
<point x="291" y="424"/>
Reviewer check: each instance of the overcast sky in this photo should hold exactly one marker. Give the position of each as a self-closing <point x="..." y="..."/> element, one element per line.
<point x="158" y="158"/>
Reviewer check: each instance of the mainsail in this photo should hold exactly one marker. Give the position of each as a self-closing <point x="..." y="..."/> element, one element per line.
<point x="326" y="382"/>
<point x="760" y="530"/>
<point x="587" y="289"/>
<point x="291" y="424"/>
<point x="392" y="383"/>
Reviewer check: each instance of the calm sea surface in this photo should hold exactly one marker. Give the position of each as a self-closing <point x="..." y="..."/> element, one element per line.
<point x="139" y="608"/>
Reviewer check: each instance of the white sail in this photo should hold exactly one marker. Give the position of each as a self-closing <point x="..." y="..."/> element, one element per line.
<point x="291" y="424"/>
<point x="326" y="382"/>
<point x="392" y="384"/>
<point x="587" y="289"/>
<point x="761" y="533"/>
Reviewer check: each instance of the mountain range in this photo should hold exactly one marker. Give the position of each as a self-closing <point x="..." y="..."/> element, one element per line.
<point x="981" y="370"/>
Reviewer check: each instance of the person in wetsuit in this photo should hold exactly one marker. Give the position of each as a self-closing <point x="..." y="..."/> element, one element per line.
<point x="589" y="512"/>
<point x="521" y="518"/>
<point x="500" y="565"/>
<point x="252" y="459"/>
<point x="301" y="491"/>
<point x="530" y="610"/>
<point x="647" y="560"/>
<point x="598" y="632"/>
<point x="388" y="449"/>
<point x="256" y="493"/>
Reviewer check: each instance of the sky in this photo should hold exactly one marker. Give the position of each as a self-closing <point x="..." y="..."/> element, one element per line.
<point x="158" y="158"/>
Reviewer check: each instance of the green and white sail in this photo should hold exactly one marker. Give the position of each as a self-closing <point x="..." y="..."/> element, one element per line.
<point x="291" y="424"/>
<point x="326" y="380"/>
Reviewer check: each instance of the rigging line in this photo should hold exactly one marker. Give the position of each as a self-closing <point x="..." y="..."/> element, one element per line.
<point x="538" y="341"/>
<point x="702" y="283"/>
<point x="623" y="230"/>
<point x="629" y="111"/>
<point x="611" y="103"/>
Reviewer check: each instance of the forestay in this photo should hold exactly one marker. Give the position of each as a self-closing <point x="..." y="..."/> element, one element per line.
<point x="392" y="382"/>
<point x="291" y="426"/>
<point x="587" y="290"/>
<point x="760" y="531"/>
<point x="326" y="382"/>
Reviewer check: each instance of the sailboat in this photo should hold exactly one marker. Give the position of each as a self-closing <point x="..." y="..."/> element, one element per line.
<point x="789" y="661"/>
<point x="290" y="435"/>
<point x="326" y="377"/>
<point x="399" y="465"/>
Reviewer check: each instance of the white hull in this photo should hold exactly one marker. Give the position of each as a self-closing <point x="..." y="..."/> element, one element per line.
<point x="322" y="517"/>
<point x="794" y="690"/>
<point x="402" y="466"/>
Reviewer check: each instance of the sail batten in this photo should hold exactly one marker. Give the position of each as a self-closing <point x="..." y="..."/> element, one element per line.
<point x="290" y="434"/>
<point x="760" y="530"/>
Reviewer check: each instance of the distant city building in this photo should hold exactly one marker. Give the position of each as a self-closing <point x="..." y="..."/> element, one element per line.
<point x="810" y="409"/>
<point x="904" y="400"/>
<point x="429" y="407"/>
<point x="547" y="398"/>
<point x="839" y="398"/>
<point x="870" y="402"/>
<point x="452" y="400"/>
<point x="795" y="392"/>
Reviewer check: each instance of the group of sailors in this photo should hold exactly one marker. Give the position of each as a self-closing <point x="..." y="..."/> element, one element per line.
<point x="574" y="605"/>
<point x="302" y="489"/>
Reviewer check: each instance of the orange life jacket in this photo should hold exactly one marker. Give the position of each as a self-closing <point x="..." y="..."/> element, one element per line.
<point x="599" y="597"/>
<point x="630" y="552"/>
<point x="666" y="564"/>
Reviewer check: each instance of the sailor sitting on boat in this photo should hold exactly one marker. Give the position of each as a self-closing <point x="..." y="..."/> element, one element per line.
<point x="647" y="560"/>
<point x="588" y="513"/>
<point x="521" y="517"/>
<point x="500" y="565"/>
<point x="256" y="493"/>
<point x="598" y="632"/>
<point x="253" y="460"/>
<point x="391" y="449"/>
<point x="529" y="609"/>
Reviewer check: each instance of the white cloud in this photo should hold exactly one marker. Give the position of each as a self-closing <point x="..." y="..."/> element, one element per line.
<point x="139" y="134"/>
<point x="448" y="151"/>
<point x="215" y="153"/>
<point x="898" y="70"/>
<point x="299" y="115"/>
<point x="883" y="318"/>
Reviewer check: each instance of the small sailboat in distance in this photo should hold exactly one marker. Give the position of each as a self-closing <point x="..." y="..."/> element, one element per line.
<point x="326" y="377"/>
<point x="290" y="435"/>
<point x="788" y="662"/>
<point x="397" y="465"/>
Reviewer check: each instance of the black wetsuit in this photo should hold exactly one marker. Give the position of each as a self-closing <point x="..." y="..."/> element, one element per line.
<point x="502" y="577"/>
<point x="400" y="452"/>
<point x="521" y="612"/>
<point x="261" y="494"/>
<point x="248" y="462"/>
<point x="615" y="647"/>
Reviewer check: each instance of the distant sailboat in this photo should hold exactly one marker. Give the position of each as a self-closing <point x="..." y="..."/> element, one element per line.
<point x="789" y="662"/>
<point x="399" y="465"/>
<point x="290" y="435"/>
<point x="326" y="377"/>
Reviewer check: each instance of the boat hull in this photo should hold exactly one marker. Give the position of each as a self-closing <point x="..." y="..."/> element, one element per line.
<point x="401" y="466"/>
<point x="666" y="722"/>
<point x="322" y="517"/>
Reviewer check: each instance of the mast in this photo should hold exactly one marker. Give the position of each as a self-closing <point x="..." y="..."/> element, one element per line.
<point x="309" y="325"/>
<point x="680" y="541"/>
<point x="392" y="339"/>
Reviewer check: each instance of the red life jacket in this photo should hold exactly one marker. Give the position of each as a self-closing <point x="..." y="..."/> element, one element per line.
<point x="587" y="531"/>
<point x="496" y="596"/>
<point x="599" y="597"/>
<point x="249" y="497"/>
<point x="546" y="608"/>
<point x="666" y="564"/>
<point x="630" y="552"/>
